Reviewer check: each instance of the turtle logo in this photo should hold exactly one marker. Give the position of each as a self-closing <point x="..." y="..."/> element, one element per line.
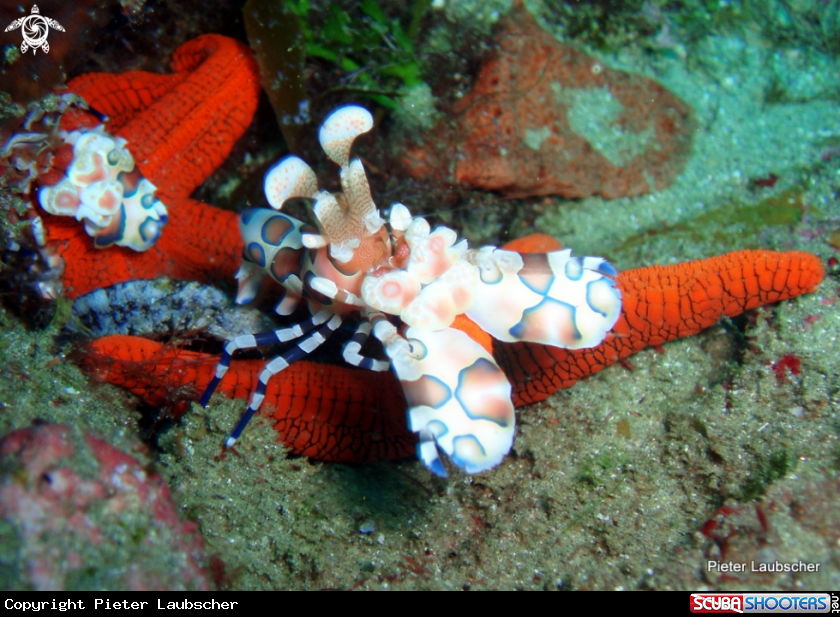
<point x="35" y="28"/>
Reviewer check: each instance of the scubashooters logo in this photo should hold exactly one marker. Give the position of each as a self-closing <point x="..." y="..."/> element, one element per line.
<point x="760" y="603"/>
<point x="35" y="29"/>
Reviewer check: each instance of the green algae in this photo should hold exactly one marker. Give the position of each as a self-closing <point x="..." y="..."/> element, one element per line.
<point x="731" y="225"/>
<point x="768" y="469"/>
<point x="373" y="48"/>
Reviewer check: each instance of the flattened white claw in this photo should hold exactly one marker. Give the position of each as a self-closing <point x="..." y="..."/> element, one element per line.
<point x="459" y="399"/>
<point x="432" y="253"/>
<point x="553" y="298"/>
<point x="288" y="179"/>
<point x="450" y="295"/>
<point x="120" y="159"/>
<point x="341" y="128"/>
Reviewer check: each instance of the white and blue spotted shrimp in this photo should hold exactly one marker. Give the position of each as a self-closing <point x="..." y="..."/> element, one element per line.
<point x="406" y="284"/>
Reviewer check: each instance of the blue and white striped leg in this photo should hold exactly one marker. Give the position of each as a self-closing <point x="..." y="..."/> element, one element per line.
<point x="352" y="351"/>
<point x="249" y="341"/>
<point x="301" y="350"/>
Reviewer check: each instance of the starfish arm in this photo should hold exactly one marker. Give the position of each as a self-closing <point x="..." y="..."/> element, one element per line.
<point x="327" y="412"/>
<point x="342" y="414"/>
<point x="180" y="127"/>
<point x="123" y="96"/>
<point x="660" y="304"/>
<point x="197" y="244"/>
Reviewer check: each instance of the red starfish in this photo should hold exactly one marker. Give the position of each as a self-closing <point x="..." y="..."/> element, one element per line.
<point x="181" y="126"/>
<point x="338" y="413"/>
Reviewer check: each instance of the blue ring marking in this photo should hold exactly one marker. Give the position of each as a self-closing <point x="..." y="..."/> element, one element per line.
<point x="418" y="348"/>
<point x="148" y="201"/>
<point x="149" y="230"/>
<point x="249" y="213"/>
<point x="574" y="268"/>
<point x="480" y="364"/>
<point x="488" y="281"/>
<point x="267" y="223"/>
<point x="257" y="254"/>
<point x="106" y="240"/>
<point x="589" y="288"/>
<point x="517" y="331"/>
<point x="464" y="464"/>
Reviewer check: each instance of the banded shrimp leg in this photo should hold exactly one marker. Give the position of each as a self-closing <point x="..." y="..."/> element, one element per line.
<point x="324" y="323"/>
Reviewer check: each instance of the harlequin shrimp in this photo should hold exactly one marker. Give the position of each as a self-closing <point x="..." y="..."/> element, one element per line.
<point x="103" y="189"/>
<point x="85" y="172"/>
<point x="406" y="283"/>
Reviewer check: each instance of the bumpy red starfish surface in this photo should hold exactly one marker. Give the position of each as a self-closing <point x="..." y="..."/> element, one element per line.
<point x="179" y="129"/>
<point x="338" y="413"/>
